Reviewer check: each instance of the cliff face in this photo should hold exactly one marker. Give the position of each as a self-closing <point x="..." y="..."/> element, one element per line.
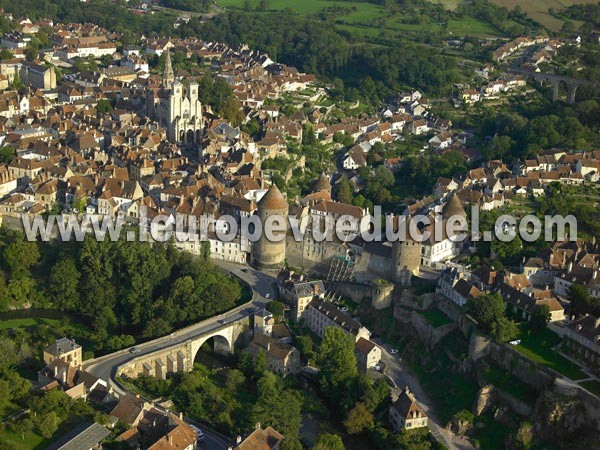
<point x="560" y="419"/>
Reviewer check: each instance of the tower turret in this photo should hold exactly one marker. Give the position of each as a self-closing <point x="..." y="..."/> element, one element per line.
<point x="270" y="253"/>
<point x="168" y="74"/>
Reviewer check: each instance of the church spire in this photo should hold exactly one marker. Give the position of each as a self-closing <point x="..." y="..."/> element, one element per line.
<point x="168" y="75"/>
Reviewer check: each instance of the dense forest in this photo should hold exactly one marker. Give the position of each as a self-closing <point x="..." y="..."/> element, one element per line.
<point x="130" y="288"/>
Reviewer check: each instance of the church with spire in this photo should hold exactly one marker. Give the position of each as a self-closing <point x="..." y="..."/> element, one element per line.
<point x="176" y="107"/>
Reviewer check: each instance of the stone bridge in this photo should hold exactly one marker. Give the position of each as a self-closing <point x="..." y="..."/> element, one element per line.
<point x="179" y="357"/>
<point x="555" y="80"/>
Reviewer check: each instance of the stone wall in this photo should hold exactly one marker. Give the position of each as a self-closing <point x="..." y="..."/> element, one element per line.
<point x="426" y="332"/>
<point x="448" y="307"/>
<point x="306" y="254"/>
<point x="521" y="408"/>
<point x="520" y="366"/>
<point x="357" y="292"/>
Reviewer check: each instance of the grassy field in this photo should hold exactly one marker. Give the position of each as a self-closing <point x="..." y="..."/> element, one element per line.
<point x="29" y="441"/>
<point x="538" y="347"/>
<point x="365" y="10"/>
<point x="27" y="322"/>
<point x="538" y="9"/>
<point x="510" y="384"/>
<point x="436" y="317"/>
<point x="370" y="21"/>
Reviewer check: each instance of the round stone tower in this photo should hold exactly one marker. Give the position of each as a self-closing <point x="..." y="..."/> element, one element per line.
<point x="406" y="257"/>
<point x="381" y="293"/>
<point x="322" y="184"/>
<point x="453" y="208"/>
<point x="270" y="253"/>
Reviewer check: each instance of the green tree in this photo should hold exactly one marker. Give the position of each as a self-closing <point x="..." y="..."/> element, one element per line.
<point x="336" y="360"/>
<point x="115" y="343"/>
<point x="47" y="424"/>
<point x="581" y="301"/>
<point x="291" y="444"/>
<point x="6" y="54"/>
<point x="277" y="308"/>
<point x="305" y="345"/>
<point x="540" y="317"/>
<point x="488" y="310"/>
<point x="22" y="427"/>
<point x="260" y="364"/>
<point x="504" y="329"/>
<point x="20" y="255"/>
<point x="103" y="106"/>
<point x="7" y="154"/>
<point x="343" y="193"/>
<point x="328" y="441"/>
<point x="277" y="407"/>
<point x="235" y="379"/>
<point x="64" y="284"/>
<point x="359" y="419"/>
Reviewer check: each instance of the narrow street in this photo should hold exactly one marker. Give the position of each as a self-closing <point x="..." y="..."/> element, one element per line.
<point x="403" y="377"/>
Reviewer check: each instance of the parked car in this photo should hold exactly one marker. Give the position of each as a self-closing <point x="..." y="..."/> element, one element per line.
<point x="134" y="350"/>
<point x="393" y="351"/>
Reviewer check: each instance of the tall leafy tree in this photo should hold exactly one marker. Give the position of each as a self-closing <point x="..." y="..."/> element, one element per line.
<point x="64" y="284"/>
<point x="336" y="360"/>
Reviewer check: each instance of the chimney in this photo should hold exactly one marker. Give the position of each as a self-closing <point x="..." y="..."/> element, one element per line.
<point x="180" y="415"/>
<point x="570" y="268"/>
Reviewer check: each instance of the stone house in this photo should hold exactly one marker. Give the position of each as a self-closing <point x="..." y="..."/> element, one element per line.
<point x="368" y="354"/>
<point x="405" y="413"/>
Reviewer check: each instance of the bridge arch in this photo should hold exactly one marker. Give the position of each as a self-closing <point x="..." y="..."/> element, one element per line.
<point x="221" y="340"/>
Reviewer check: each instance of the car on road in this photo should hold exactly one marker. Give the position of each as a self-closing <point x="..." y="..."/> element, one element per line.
<point x="267" y="295"/>
<point x="377" y="367"/>
<point x="390" y="381"/>
<point x="134" y="350"/>
<point x="244" y="270"/>
<point x="393" y="351"/>
<point x="200" y="435"/>
<point x="223" y="321"/>
<point x="344" y="309"/>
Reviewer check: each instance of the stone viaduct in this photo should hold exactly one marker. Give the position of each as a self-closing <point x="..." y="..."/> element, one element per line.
<point x="179" y="357"/>
<point x="555" y="81"/>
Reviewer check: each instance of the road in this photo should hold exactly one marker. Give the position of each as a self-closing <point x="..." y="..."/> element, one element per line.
<point x="395" y="368"/>
<point x="262" y="285"/>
